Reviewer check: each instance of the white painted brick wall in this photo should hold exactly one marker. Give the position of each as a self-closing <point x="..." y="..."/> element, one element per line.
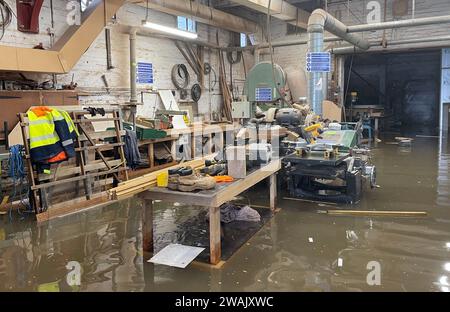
<point x="161" y="52"/>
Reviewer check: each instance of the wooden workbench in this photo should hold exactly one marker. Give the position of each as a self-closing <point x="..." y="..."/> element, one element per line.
<point x="213" y="199"/>
<point x="195" y="132"/>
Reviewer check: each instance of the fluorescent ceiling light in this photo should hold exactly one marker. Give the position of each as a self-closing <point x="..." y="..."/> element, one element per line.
<point x="170" y="30"/>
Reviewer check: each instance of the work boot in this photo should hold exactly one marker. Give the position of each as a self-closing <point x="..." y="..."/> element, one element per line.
<point x="195" y="182"/>
<point x="214" y="170"/>
<point x="175" y="174"/>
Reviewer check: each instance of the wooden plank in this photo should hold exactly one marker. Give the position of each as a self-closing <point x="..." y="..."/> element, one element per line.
<point x="154" y="141"/>
<point x="99" y="147"/>
<point x="99" y="153"/>
<point x="71" y="170"/>
<point x="235" y="188"/>
<point x="140" y="172"/>
<point x="101" y="135"/>
<point x="146" y="181"/>
<point x="150" y="182"/>
<point x="380" y="213"/>
<point x="95" y="120"/>
<point x="73" y="206"/>
<point x="45" y="185"/>
<point x="118" y="127"/>
<point x="187" y="198"/>
<point x="214" y="235"/>
<point x="147" y="177"/>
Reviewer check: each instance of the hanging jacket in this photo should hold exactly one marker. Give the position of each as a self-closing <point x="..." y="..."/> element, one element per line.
<point x="51" y="135"/>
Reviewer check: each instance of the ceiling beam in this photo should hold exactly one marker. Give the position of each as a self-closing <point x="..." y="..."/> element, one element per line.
<point x="201" y="13"/>
<point x="279" y="9"/>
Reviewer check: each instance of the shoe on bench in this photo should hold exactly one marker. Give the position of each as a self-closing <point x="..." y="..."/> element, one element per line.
<point x="195" y="182"/>
<point x="175" y="174"/>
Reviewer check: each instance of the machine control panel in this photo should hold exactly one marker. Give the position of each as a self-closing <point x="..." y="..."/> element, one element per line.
<point x="263" y="94"/>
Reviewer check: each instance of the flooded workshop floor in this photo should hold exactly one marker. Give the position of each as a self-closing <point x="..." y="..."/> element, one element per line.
<point x="297" y="250"/>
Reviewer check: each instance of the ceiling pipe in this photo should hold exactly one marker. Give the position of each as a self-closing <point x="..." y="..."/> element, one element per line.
<point x="393" y="48"/>
<point x="351" y="49"/>
<point x="201" y="13"/>
<point x="318" y="22"/>
<point x="398" y="24"/>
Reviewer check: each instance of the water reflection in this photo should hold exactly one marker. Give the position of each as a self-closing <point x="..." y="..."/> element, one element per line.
<point x="414" y="253"/>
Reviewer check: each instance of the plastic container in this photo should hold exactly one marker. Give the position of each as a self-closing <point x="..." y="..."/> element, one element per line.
<point x="162" y="179"/>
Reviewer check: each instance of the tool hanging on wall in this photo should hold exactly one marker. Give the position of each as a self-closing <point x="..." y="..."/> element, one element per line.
<point x="207" y="70"/>
<point x="196" y="92"/>
<point x="6" y="17"/>
<point x="180" y="71"/>
<point x="193" y="57"/>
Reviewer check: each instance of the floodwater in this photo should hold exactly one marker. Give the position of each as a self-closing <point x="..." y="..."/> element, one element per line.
<point x="298" y="250"/>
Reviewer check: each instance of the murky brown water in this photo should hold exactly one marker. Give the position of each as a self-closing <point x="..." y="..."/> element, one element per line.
<point x="298" y="250"/>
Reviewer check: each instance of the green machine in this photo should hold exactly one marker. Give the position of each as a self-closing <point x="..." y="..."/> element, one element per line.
<point x="345" y="140"/>
<point x="262" y="89"/>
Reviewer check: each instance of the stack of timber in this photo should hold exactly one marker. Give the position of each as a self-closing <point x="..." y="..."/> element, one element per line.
<point x="140" y="184"/>
<point x="224" y="87"/>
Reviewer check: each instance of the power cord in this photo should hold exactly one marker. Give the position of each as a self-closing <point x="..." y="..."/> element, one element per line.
<point x="6" y="14"/>
<point x="16" y="171"/>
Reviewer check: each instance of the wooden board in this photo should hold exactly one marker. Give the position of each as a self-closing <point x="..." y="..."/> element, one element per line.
<point x="13" y="102"/>
<point x="74" y="206"/>
<point x="71" y="170"/>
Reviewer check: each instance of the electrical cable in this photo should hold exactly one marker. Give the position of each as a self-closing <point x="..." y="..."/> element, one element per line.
<point x="6" y="14"/>
<point x="180" y="71"/>
<point x="196" y="92"/>
<point x="215" y="79"/>
<point x="234" y="60"/>
<point x="16" y="171"/>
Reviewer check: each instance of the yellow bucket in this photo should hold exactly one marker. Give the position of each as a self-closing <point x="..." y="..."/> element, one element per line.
<point x="162" y="179"/>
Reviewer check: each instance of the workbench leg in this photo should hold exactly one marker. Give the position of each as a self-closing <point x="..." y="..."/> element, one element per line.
<point x="147" y="226"/>
<point x="173" y="150"/>
<point x="215" y="248"/>
<point x="376" y="129"/>
<point x="273" y="191"/>
<point x="151" y="155"/>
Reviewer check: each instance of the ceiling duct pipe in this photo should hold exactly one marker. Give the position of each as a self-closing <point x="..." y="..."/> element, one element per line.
<point x="398" y="24"/>
<point x="318" y="22"/>
<point x="351" y="49"/>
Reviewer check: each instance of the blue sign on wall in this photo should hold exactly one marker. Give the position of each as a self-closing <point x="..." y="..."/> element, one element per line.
<point x="263" y="94"/>
<point x="144" y="73"/>
<point x="318" y="62"/>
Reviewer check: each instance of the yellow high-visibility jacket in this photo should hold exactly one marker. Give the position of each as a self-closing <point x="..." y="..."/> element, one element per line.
<point x="51" y="132"/>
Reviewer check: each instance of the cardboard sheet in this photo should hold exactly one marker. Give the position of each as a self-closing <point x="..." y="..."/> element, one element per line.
<point x="176" y="255"/>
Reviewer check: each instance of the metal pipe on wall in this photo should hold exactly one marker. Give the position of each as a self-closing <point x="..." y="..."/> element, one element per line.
<point x="133" y="64"/>
<point x="350" y="49"/>
<point x="318" y="22"/>
<point x="398" y="24"/>
<point x="433" y="45"/>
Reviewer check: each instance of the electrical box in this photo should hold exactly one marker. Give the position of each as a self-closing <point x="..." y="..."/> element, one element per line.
<point x="241" y="109"/>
